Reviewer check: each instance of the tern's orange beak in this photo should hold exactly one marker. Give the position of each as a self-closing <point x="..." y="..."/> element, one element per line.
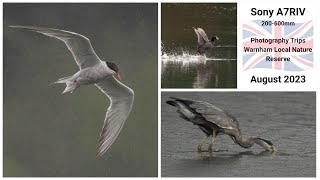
<point x="117" y="76"/>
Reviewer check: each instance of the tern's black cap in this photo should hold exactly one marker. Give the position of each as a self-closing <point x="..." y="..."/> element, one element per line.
<point x="113" y="66"/>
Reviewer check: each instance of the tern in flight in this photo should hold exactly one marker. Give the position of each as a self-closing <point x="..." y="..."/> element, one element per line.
<point x="100" y="73"/>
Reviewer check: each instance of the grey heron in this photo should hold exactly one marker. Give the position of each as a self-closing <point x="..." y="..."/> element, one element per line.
<point x="204" y="44"/>
<point x="214" y="121"/>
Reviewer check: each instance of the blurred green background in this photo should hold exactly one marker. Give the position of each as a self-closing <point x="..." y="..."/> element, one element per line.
<point x="49" y="134"/>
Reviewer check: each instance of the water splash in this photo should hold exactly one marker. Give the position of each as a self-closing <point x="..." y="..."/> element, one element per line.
<point x="186" y="58"/>
<point x="181" y="63"/>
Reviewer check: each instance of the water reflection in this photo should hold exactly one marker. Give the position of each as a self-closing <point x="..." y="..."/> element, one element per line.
<point x="203" y="75"/>
<point x="230" y="156"/>
<point x="197" y="71"/>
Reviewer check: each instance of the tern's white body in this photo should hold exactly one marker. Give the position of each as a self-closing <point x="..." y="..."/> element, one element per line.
<point x="94" y="71"/>
<point x="93" y="74"/>
<point x="86" y="76"/>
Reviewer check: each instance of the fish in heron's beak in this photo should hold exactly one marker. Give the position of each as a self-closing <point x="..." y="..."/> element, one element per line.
<point x="117" y="76"/>
<point x="272" y="149"/>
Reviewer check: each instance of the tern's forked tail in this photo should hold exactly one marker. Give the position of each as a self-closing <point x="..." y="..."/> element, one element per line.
<point x="71" y="85"/>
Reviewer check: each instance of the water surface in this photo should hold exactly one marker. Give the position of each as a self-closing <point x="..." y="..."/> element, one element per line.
<point x="288" y="120"/>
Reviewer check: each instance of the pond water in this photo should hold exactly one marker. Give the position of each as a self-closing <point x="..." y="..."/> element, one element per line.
<point x="288" y="120"/>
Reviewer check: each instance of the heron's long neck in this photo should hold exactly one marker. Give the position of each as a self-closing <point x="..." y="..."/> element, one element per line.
<point x="247" y="143"/>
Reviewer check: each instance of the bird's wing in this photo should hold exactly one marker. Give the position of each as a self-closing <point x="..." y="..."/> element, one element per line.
<point x="216" y="115"/>
<point x="212" y="113"/>
<point x="79" y="45"/>
<point x="121" y="101"/>
<point x="202" y="37"/>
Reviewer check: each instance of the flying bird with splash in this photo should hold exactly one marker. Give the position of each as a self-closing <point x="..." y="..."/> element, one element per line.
<point x="204" y="44"/>
<point x="92" y="70"/>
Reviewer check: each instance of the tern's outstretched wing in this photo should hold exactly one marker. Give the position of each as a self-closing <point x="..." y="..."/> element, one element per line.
<point x="78" y="44"/>
<point x="121" y="101"/>
<point x="202" y="37"/>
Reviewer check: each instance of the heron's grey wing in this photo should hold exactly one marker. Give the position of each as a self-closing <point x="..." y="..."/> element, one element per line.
<point x="202" y="37"/>
<point x="216" y="115"/>
<point x="79" y="45"/>
<point x="212" y="113"/>
<point x="121" y="101"/>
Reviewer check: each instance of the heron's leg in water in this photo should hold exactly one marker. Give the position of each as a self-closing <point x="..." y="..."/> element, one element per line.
<point x="201" y="143"/>
<point x="212" y="141"/>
